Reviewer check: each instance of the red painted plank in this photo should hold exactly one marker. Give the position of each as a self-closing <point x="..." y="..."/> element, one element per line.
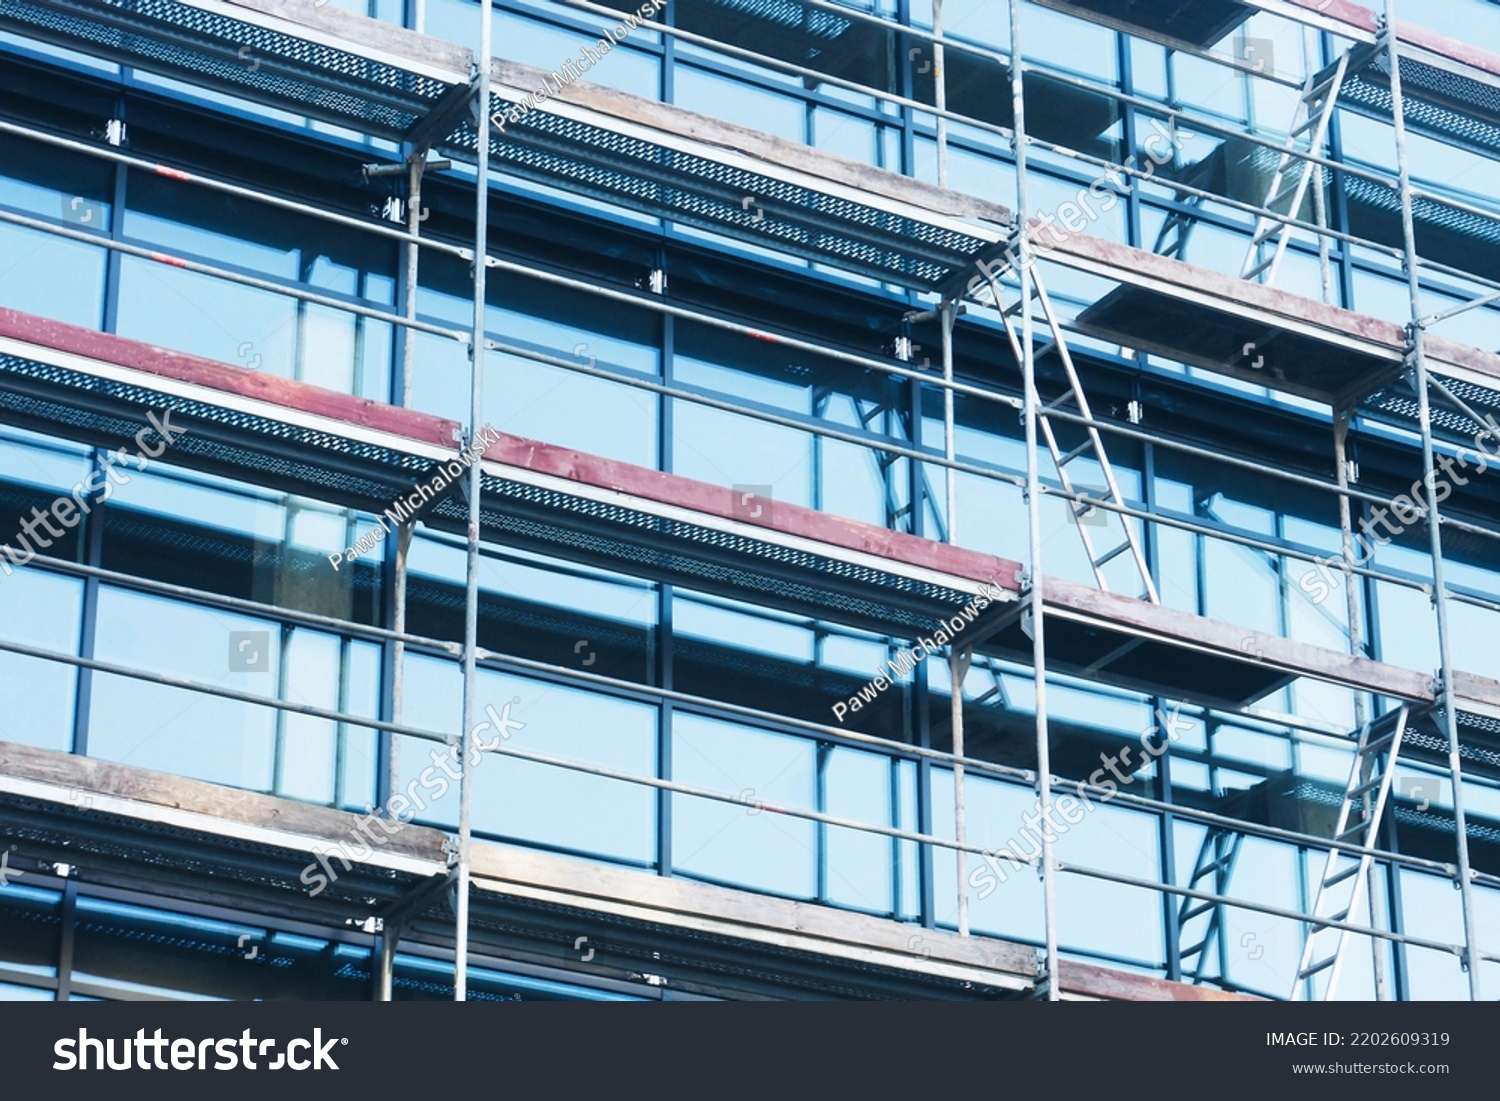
<point x="670" y="489"/>
<point x="1093" y="981"/>
<point x="258" y="385"/>
<point x="575" y="466"/>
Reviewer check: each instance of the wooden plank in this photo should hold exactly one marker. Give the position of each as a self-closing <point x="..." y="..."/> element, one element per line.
<point x="992" y="221"/>
<point x="1092" y="981"/>
<point x="675" y="900"/>
<point x="357" y="34"/>
<point x="788" y="519"/>
<point x="254" y="385"/>
<point x="89" y="776"/>
<point x="1240" y="643"/>
<point x="74" y="781"/>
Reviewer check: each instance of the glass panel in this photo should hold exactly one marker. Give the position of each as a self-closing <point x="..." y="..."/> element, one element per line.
<point x="740" y="844"/>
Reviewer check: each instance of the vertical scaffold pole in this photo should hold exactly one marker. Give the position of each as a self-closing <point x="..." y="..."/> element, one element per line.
<point x="475" y="476"/>
<point x="940" y="92"/>
<point x="1418" y="359"/>
<point x="1024" y="259"/>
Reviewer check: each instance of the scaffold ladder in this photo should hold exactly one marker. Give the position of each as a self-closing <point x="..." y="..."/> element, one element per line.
<point x="1216" y="859"/>
<point x="1092" y="445"/>
<point x="1310" y="122"/>
<point x="1172" y="239"/>
<point x="1369" y="786"/>
<point x="872" y="412"/>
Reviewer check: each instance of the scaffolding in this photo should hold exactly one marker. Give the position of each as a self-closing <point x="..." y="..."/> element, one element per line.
<point x="437" y="99"/>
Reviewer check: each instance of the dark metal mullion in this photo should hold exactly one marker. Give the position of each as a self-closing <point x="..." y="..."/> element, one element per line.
<point x="1134" y="232"/>
<point x="66" y="941"/>
<point x="666" y="593"/>
<point x="93" y="521"/>
<point x="1166" y="822"/>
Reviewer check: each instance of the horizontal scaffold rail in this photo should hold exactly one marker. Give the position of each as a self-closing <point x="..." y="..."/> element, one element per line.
<point x="120" y="826"/>
<point x="749" y="186"/>
<point x="295" y="437"/>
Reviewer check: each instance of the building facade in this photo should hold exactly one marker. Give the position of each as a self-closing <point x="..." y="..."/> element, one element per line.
<point x="776" y="569"/>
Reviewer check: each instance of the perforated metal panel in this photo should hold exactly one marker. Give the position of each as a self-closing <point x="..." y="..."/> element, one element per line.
<point x="264" y="451"/>
<point x="700" y="556"/>
<point x="209" y="49"/>
<point x="1435" y="101"/>
<point x="709" y="194"/>
<point x="1398" y="401"/>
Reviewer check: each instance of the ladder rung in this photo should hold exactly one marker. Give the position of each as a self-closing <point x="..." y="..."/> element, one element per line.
<point x="1058" y="404"/>
<point x="1275" y="229"/>
<point x="1195" y="911"/>
<point x="1352" y="830"/>
<point x="1077" y="451"/>
<point x="1285" y="193"/>
<point x="1369" y="785"/>
<point x="1379" y="743"/>
<point x="1342" y="915"/>
<point x="1111" y="555"/>
<point x="1334" y="881"/>
<point x="1195" y="949"/>
<point x="1315" y="968"/>
<point x="1258" y="268"/>
<point x="1222" y="862"/>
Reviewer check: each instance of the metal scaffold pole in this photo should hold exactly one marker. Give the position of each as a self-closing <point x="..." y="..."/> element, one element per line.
<point x="475" y="483"/>
<point x="940" y="92"/>
<point x="1418" y="360"/>
<point x="1032" y="414"/>
<point x="958" y="660"/>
